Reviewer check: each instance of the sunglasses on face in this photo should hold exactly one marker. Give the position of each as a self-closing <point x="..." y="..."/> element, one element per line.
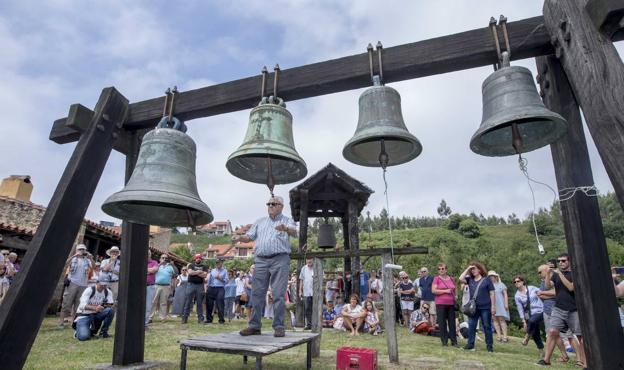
<point x="273" y="204"/>
<point x="425" y="307"/>
<point x="562" y="261"/>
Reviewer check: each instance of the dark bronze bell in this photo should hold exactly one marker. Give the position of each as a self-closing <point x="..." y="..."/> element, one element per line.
<point x="381" y="129"/>
<point x="267" y="154"/>
<point x="162" y="189"/>
<point x="326" y="237"/>
<point x="515" y="119"/>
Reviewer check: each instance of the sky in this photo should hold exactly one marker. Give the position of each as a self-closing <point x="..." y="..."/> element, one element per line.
<point x="56" y="53"/>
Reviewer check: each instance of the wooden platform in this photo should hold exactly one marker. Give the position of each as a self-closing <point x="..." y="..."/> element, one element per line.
<point x="253" y="345"/>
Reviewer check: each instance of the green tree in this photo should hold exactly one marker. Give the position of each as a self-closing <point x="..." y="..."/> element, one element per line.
<point x="469" y="229"/>
<point x="443" y="209"/>
<point x="454" y="220"/>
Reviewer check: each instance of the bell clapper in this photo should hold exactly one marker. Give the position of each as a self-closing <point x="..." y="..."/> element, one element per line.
<point x="270" y="179"/>
<point x="516" y="139"/>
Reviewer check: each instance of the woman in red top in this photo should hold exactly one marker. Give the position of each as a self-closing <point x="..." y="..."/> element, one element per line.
<point x="443" y="287"/>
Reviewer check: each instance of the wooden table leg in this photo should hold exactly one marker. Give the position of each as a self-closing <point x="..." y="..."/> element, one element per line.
<point x="309" y="356"/>
<point x="183" y="359"/>
<point x="258" y="362"/>
<point x="244" y="359"/>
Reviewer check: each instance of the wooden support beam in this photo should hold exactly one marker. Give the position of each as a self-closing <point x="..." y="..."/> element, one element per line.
<point x="22" y="311"/>
<point x="13" y="242"/>
<point x="354" y="244"/>
<point x="596" y="74"/>
<point x="78" y="121"/>
<point x="317" y="306"/>
<point x="347" y="259"/>
<point x="130" y="324"/>
<point x="389" y="309"/>
<point x="583" y="226"/>
<point x="360" y="253"/>
<point x="465" y="50"/>
<point x="607" y="15"/>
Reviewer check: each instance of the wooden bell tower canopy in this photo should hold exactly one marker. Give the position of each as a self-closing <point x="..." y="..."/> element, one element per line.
<point x="329" y="192"/>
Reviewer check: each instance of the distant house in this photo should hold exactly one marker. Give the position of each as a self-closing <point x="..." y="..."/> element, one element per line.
<point x="217" y="228"/>
<point x="230" y="251"/>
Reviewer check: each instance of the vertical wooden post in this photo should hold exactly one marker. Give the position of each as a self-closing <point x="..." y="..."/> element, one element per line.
<point x="389" y="309"/>
<point x="354" y="244"/>
<point x="23" y="309"/>
<point x="347" y="260"/>
<point x="317" y="306"/>
<point x="597" y="307"/>
<point x="129" y="328"/>
<point x="596" y="74"/>
<point x="303" y="240"/>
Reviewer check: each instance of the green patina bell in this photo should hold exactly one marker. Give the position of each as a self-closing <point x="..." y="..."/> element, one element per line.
<point x="267" y="154"/>
<point x="162" y="189"/>
<point x="381" y="138"/>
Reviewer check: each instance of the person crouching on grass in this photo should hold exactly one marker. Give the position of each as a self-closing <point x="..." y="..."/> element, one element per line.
<point x="95" y="312"/>
<point x="371" y="321"/>
<point x="353" y="312"/>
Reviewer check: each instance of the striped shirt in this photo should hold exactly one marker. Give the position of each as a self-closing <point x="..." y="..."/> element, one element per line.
<point x="268" y="240"/>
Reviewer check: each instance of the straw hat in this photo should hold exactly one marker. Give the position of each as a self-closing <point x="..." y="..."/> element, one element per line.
<point x="114" y="248"/>
<point x="492" y="273"/>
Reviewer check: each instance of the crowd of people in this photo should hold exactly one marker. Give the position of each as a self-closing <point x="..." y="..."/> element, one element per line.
<point x="440" y="305"/>
<point x="8" y="268"/>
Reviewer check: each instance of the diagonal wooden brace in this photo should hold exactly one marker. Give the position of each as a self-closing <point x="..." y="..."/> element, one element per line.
<point x="22" y="311"/>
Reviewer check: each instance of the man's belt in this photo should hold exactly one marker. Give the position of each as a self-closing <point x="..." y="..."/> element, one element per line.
<point x="273" y="255"/>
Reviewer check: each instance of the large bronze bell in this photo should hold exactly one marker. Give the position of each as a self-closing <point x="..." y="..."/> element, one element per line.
<point x="380" y="130"/>
<point x="326" y="237"/>
<point x="267" y="154"/>
<point x="162" y="189"/>
<point x="515" y="119"/>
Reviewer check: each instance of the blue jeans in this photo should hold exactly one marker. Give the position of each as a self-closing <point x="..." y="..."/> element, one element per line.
<point x="86" y="324"/>
<point x="486" y="324"/>
<point x="273" y="271"/>
<point x="149" y="300"/>
<point x="533" y="329"/>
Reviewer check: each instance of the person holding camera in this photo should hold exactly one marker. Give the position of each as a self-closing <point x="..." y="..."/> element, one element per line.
<point x="482" y="294"/>
<point x="164" y="275"/>
<point x="109" y="269"/>
<point x="95" y="312"/>
<point x="77" y="281"/>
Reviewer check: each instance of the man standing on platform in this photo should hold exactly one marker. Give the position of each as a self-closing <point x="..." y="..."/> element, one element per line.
<point x="216" y="291"/>
<point x="195" y="289"/>
<point x="272" y="259"/>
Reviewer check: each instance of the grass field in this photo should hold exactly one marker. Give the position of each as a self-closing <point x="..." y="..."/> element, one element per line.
<point x="57" y="349"/>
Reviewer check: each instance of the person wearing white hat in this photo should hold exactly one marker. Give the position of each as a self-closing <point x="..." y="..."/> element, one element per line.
<point x="109" y="269"/>
<point x="78" y="266"/>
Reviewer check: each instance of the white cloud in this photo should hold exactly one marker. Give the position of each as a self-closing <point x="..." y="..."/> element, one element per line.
<point x="57" y="53"/>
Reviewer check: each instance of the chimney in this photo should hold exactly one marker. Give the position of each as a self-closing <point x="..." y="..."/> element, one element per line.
<point x="17" y="187"/>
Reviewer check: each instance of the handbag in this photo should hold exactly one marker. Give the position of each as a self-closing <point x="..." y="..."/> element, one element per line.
<point x="470" y="308"/>
<point x="527" y="306"/>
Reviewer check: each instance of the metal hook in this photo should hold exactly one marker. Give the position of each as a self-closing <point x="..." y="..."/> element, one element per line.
<point x="379" y="48"/>
<point x="492" y="26"/>
<point x="502" y="21"/>
<point x="174" y="92"/>
<point x="369" y="49"/>
<point x="264" y="72"/>
<point x="165" y="107"/>
<point x="276" y="70"/>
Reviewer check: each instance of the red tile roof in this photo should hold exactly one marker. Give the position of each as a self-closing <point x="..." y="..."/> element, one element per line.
<point x="17" y="229"/>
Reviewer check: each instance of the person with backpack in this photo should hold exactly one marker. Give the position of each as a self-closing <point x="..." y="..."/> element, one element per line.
<point x="482" y="304"/>
<point x="95" y="312"/>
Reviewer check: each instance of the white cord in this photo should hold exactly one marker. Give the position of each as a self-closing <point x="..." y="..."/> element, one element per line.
<point x="388" y="210"/>
<point x="564" y="194"/>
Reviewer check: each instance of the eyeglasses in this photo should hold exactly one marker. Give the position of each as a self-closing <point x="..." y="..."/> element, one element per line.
<point x="273" y="204"/>
<point x="425" y="307"/>
<point x="5" y="254"/>
<point x="441" y="268"/>
<point x="561" y="261"/>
